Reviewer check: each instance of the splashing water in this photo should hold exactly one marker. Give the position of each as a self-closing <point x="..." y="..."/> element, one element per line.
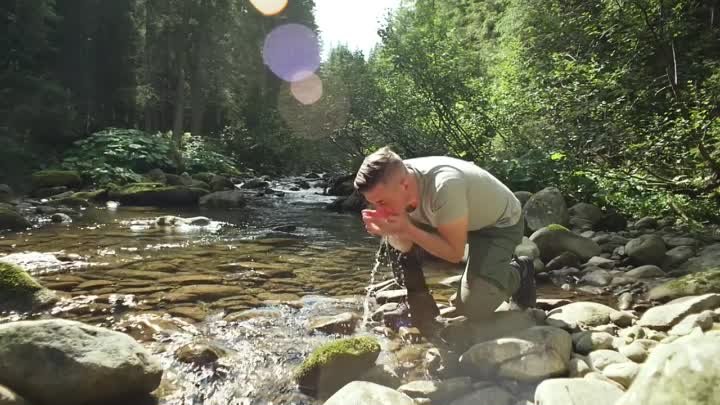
<point x="366" y="302"/>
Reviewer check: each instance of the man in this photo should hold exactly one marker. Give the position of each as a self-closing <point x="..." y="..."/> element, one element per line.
<point x="439" y="204"/>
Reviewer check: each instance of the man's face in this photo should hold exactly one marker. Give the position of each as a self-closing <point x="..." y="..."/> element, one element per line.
<point x="391" y="195"/>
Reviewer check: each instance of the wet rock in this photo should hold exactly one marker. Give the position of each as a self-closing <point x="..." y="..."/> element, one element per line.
<point x="198" y="354"/>
<point x="588" y="341"/>
<point x="533" y="354"/>
<point x="646" y="249"/>
<point x="622" y="319"/>
<point x="367" y="393"/>
<point x="646" y="271"/>
<point x="156" y="194"/>
<point x="601" y="262"/>
<point x="635" y="351"/>
<point x="703" y="320"/>
<point x="220" y="183"/>
<point x="343" y="324"/>
<point x="285" y="228"/>
<point x="598" y="278"/>
<point x="548" y="304"/>
<point x="224" y="199"/>
<point x="546" y="207"/>
<point x="599" y="359"/>
<point x="677" y="256"/>
<point x="438" y="391"/>
<point x="335" y="364"/>
<point x="622" y="373"/>
<point x="666" y="316"/>
<point x="580" y="314"/>
<point x="678" y="374"/>
<point x="377" y="316"/>
<point x="61" y="218"/>
<point x="56" y="178"/>
<point x="11" y="220"/>
<point x="255" y="184"/>
<point x="355" y="202"/>
<point x="492" y="395"/>
<point x="409" y="335"/>
<point x="195" y="313"/>
<point x="390" y="296"/>
<point x="383" y="375"/>
<point x="20" y="292"/>
<point x="8" y="397"/>
<point x="50" y="359"/>
<point x="190" y="279"/>
<point x="554" y="240"/>
<point x="208" y="293"/>
<point x="646" y="223"/>
<point x="564" y="391"/>
<point x="565" y="259"/>
<point x="691" y="284"/>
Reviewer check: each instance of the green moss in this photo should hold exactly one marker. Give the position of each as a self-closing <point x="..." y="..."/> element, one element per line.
<point x="98" y="195"/>
<point x="56" y="178"/>
<point x="10" y="219"/>
<point x="556" y="227"/>
<point x="13" y="279"/>
<point x="336" y="363"/>
<point x="692" y="284"/>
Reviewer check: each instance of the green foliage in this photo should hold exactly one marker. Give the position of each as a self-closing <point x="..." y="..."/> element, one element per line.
<point x="199" y="155"/>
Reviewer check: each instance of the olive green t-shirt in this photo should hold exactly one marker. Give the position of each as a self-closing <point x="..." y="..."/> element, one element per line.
<point x="451" y="188"/>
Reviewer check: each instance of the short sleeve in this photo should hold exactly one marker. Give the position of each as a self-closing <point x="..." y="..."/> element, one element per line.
<point x="450" y="202"/>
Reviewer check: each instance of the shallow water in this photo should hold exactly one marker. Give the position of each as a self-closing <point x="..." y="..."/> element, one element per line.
<point x="236" y="284"/>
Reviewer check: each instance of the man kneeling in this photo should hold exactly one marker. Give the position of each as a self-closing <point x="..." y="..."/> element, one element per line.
<point x="440" y="204"/>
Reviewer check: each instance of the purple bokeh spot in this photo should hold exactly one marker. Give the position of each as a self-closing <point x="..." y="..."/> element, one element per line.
<point x="292" y="52"/>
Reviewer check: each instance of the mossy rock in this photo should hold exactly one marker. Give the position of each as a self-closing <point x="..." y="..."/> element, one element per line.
<point x="97" y="195"/>
<point x="557" y="227"/>
<point x="692" y="284"/>
<point x="20" y="292"/>
<point x="175" y="180"/>
<point x="9" y="219"/>
<point x="335" y="364"/>
<point x="156" y="194"/>
<point x="56" y="178"/>
<point x="555" y="239"/>
<point x="68" y="202"/>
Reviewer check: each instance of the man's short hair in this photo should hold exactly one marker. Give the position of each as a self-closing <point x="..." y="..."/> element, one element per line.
<point x="376" y="168"/>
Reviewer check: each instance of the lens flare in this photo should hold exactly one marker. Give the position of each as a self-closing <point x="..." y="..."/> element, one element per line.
<point x="308" y="90"/>
<point x="270" y="7"/>
<point x="292" y="52"/>
<point x="320" y="119"/>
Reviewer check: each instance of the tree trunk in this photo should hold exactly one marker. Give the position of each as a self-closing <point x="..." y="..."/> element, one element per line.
<point x="179" y="108"/>
<point x="197" y="87"/>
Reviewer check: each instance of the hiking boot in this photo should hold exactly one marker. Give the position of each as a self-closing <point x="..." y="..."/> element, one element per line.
<point x="525" y="296"/>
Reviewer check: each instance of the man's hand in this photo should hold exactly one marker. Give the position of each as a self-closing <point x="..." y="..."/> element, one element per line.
<point x="397" y="225"/>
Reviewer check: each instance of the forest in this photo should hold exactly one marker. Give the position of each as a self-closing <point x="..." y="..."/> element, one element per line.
<point x="615" y="102"/>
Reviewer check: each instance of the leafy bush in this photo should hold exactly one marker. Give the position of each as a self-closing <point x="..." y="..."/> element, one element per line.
<point x="118" y="155"/>
<point x="199" y="155"/>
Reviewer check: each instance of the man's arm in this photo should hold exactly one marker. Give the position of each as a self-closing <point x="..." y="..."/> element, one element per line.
<point x="448" y="245"/>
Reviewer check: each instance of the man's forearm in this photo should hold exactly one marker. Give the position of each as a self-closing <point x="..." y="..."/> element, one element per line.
<point x="435" y="244"/>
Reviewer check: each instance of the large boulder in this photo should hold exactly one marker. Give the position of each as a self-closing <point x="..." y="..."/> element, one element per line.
<point x="691" y="284"/>
<point x="646" y="249"/>
<point x="341" y="185"/>
<point x="56" y="178"/>
<point x="529" y="355"/>
<point x="11" y="220"/>
<point x="367" y="393"/>
<point x="497" y="325"/>
<point x="580" y="315"/>
<point x="48" y="360"/>
<point x="355" y="202"/>
<point x="546" y="207"/>
<point x="678" y="373"/>
<point x="335" y="364"/>
<point x="612" y="222"/>
<point x="224" y="199"/>
<point x="664" y="317"/>
<point x="523" y="197"/>
<point x="564" y="391"/>
<point x="587" y="212"/>
<point x="20" y="292"/>
<point x="554" y="239"/>
<point x="438" y="391"/>
<point x="156" y="194"/>
<point x="708" y="258"/>
<point x="221" y="183"/>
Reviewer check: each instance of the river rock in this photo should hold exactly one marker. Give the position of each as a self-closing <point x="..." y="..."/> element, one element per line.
<point x="438" y="391"/>
<point x="565" y="391"/>
<point x="679" y="373"/>
<point x="625" y="301"/>
<point x="529" y="355"/>
<point x="390" y="296"/>
<point x="622" y="373"/>
<point x="586" y="211"/>
<point x="646" y="223"/>
<point x="156" y="194"/>
<point x="635" y="351"/>
<point x="612" y="222"/>
<point x="622" y="319"/>
<point x="335" y="364"/>
<point x="703" y="320"/>
<point x="548" y="304"/>
<point x="706" y="260"/>
<point x="565" y="259"/>
<point x="8" y="397"/>
<point x="220" y="183"/>
<point x="499" y="324"/>
<point x="55" y="178"/>
<point x="646" y="249"/>
<point x="664" y="317"/>
<point x="677" y="256"/>
<point x="224" y="199"/>
<point x="492" y="395"/>
<point x="597" y="278"/>
<point x="578" y="366"/>
<point x="527" y="248"/>
<point x="50" y="359"/>
<point x="367" y="393"/>
<point x="20" y="292"/>
<point x="580" y="315"/>
<point x="199" y="354"/>
<point x="599" y="359"/>
<point x="382" y="374"/>
<point x="61" y="218"/>
<point x="554" y="240"/>
<point x="692" y="284"/>
<point x="11" y="220"/>
<point x="343" y="324"/>
<point x="588" y="341"/>
<point x="646" y="271"/>
<point x="546" y="207"/>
